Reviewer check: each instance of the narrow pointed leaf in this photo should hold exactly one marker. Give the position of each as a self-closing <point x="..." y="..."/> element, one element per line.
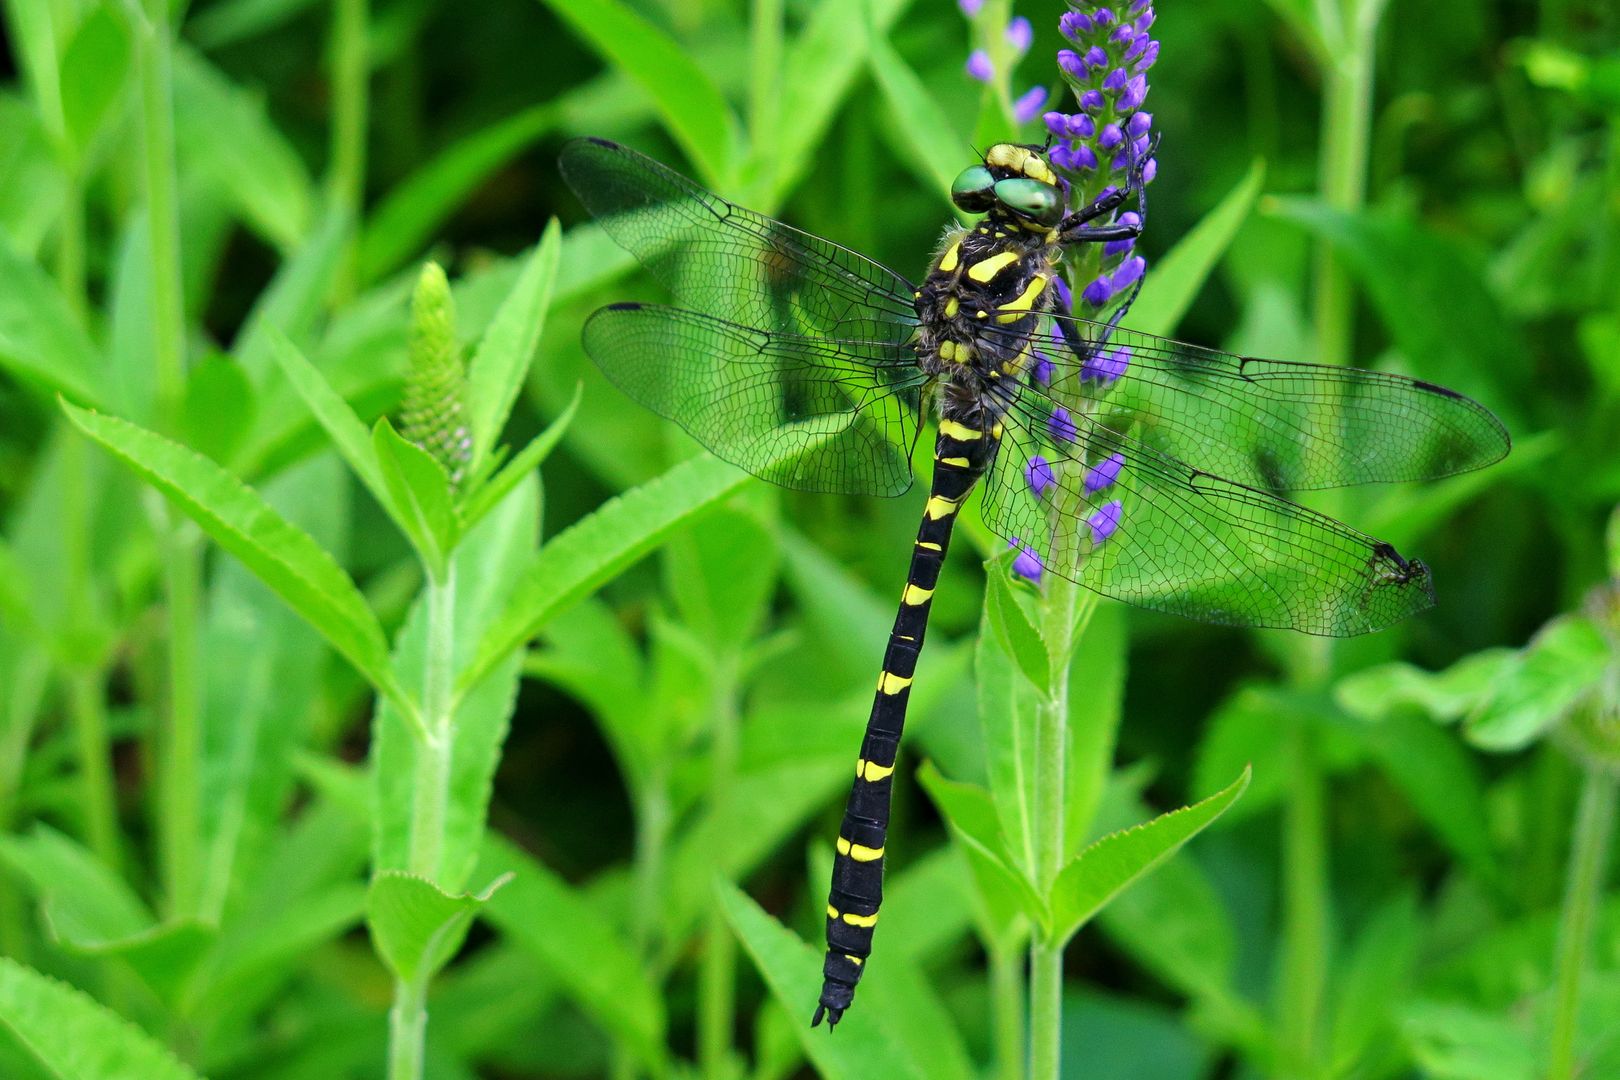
<point x="418" y="494"/>
<point x="1015" y="631"/>
<point x="417" y="927"/>
<point x="530" y="458"/>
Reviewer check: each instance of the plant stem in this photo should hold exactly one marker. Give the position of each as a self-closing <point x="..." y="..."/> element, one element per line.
<point x="351" y="71"/>
<point x="717" y="976"/>
<point x="407" y="1030"/>
<point x="70" y="246"/>
<point x="1007" y="1010"/>
<point x="87" y="705"/>
<point x="432" y="789"/>
<point x="1589" y="855"/>
<point x="1346" y="132"/>
<point x="765" y="67"/>
<point x="1048" y="820"/>
<point x="1305" y="948"/>
<point x="162" y="205"/>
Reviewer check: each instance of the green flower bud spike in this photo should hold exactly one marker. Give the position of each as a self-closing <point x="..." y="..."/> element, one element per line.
<point x="432" y="414"/>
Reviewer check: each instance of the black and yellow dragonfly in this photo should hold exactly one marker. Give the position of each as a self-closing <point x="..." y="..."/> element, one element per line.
<point x="1147" y="470"/>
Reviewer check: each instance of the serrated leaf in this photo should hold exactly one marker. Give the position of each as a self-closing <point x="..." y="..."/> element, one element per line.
<point x="283" y="556"/>
<point x="1015" y="631"/>
<point x="496" y="373"/>
<point x="75" y="1036"/>
<point x="1109" y="866"/>
<point x="419" y="496"/>
<point x="488" y="495"/>
<point x="333" y="413"/>
<point x="1176" y="279"/>
<point x="416" y="927"/>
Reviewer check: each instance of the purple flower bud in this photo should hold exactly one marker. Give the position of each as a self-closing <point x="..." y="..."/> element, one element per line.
<point x="1122" y="33"/>
<point x="1149" y="55"/>
<point x="1135" y="93"/>
<point x="1057" y="123"/>
<point x="1115" y="248"/>
<point x="970" y="8"/>
<point x="1139" y="124"/>
<point x="1104" y="473"/>
<point x="1103" y="17"/>
<point x="1096" y="59"/>
<point x="1129" y="273"/>
<point x="1073" y="24"/>
<point x="1038" y="475"/>
<point x="1027" y="564"/>
<point x="1062" y="294"/>
<point x="1108" y="192"/>
<point x="1028" y="106"/>
<point x="1106" y="368"/>
<point x="1091" y="100"/>
<point x="1145" y="20"/>
<point x="1138" y="44"/>
<point x="979" y="66"/>
<point x="1084" y="157"/>
<point x="1082" y="126"/>
<point x="1041" y="373"/>
<point x="1099" y="292"/>
<point x="1111" y="136"/>
<point x="1105" y="521"/>
<point x="1020" y="34"/>
<point x="1070" y="64"/>
<point x="1060" y="425"/>
<point x="1130" y="217"/>
<point x="1114" y="82"/>
<point x="1061" y="156"/>
<point x="1150" y="170"/>
<point x="1140" y="146"/>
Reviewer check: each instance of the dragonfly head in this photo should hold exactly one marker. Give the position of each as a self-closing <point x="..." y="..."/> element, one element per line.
<point x="1014" y="179"/>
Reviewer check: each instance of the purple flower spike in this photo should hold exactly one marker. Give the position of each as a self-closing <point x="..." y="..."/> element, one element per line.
<point x="1135" y="93"/>
<point x="1150" y="170"/>
<point x="1091" y="100"/>
<point x="1099" y="292"/>
<point x="1096" y="58"/>
<point x="1063" y="294"/>
<point x="1122" y="33"/>
<point x="1138" y="45"/>
<point x="970" y="8"/>
<point x="1028" y="106"/>
<point x="1020" y="34"/>
<point x="1105" y="522"/>
<point x="1114" y="82"/>
<point x="979" y="66"/>
<point x="1149" y="55"/>
<point x="1073" y="24"/>
<point x="1070" y="64"/>
<point x="1084" y="157"/>
<point x="1129" y="273"/>
<point x="1038" y="474"/>
<point x="1082" y="126"/>
<point x="1104" y="473"/>
<point x="1057" y="123"/>
<point x="1139" y="124"/>
<point x="1041" y="373"/>
<point x="1027" y="564"/>
<point x="1060" y="425"/>
<point x="1106" y="368"/>
<point x="1103" y="17"/>
<point x="1111" y="136"/>
<point x="1144" y="21"/>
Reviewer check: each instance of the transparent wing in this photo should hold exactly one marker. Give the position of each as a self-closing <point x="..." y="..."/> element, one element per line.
<point x="1267" y="423"/>
<point x="1115" y="515"/>
<point x="810" y="413"/>
<point x="731" y="262"/>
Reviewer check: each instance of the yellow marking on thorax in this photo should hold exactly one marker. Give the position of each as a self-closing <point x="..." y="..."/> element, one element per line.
<point x="939" y="507"/>
<point x="947" y="261"/>
<point x="871" y="771"/>
<point x="959" y="431"/>
<point x="891" y="684"/>
<point x="859" y="852"/>
<point x="985" y="269"/>
<point x="1017" y="309"/>
<point x="915" y="595"/>
<point x="995" y="431"/>
<point x="952" y="306"/>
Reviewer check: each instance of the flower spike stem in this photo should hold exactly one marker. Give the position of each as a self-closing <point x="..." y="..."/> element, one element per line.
<point x="1589" y="854"/>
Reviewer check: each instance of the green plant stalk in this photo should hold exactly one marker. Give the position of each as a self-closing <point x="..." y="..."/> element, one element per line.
<point x="70" y="273"/>
<point x="407" y="1030"/>
<point x="1346" y="134"/>
<point x="717" y="977"/>
<point x="1305" y="922"/>
<point x="87" y="706"/>
<point x="1583" y="893"/>
<point x="351" y="71"/>
<point x="431" y="795"/>
<point x="764" y="70"/>
<point x="1060" y="605"/>
<point x="1007" y="1010"/>
<point x="652" y="848"/>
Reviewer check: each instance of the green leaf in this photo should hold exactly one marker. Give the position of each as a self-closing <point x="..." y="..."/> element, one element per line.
<point x="404" y="220"/>
<point x="1015" y="629"/>
<point x="486" y="496"/>
<point x="1109" y="866"/>
<point x="498" y="369"/>
<point x="283" y="556"/>
<point x="1374" y="976"/>
<point x="41" y="340"/>
<point x="924" y="133"/>
<point x="1004" y="890"/>
<point x="868" y="1042"/>
<point x="231" y="21"/>
<point x="585" y="953"/>
<point x="345" y="429"/>
<point x="95" y="68"/>
<point x="1563" y="663"/>
<point x="721" y="574"/>
<point x="1007" y="708"/>
<point x="693" y="109"/>
<point x="1096" y="708"/>
<point x="418" y="495"/>
<point x="75" y="1036"/>
<point x="219" y="407"/>
<point x="33" y="185"/>
<point x="416" y="927"/>
<point x="223" y="134"/>
<point x="593" y="550"/>
<point x="1376" y="692"/>
<point x="1175" y="280"/>
<point x="86" y="901"/>
<point x="296" y="297"/>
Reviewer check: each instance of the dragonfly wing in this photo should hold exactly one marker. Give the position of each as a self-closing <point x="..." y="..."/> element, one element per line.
<point x="1115" y="515"/>
<point x="810" y="413"/>
<point x="728" y="261"/>
<point x="1267" y="423"/>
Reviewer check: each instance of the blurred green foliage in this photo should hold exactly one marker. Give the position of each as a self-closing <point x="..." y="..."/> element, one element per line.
<point x="653" y="671"/>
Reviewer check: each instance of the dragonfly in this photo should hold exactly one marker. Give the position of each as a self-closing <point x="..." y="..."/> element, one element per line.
<point x="1147" y="470"/>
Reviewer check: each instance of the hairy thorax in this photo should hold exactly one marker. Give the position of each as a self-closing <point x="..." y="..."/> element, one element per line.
<point x="977" y="310"/>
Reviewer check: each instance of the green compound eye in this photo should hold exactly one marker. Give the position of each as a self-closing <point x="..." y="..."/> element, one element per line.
<point x="1031" y="198"/>
<point x="974" y="190"/>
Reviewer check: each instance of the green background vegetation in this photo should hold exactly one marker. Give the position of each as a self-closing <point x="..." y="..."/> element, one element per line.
<point x="244" y="783"/>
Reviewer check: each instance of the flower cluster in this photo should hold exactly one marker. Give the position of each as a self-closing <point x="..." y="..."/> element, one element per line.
<point x="1019" y="34"/>
<point x="431" y="414"/>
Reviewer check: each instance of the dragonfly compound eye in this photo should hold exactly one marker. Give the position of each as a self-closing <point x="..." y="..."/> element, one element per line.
<point x="1032" y="199"/>
<point x="974" y="190"/>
